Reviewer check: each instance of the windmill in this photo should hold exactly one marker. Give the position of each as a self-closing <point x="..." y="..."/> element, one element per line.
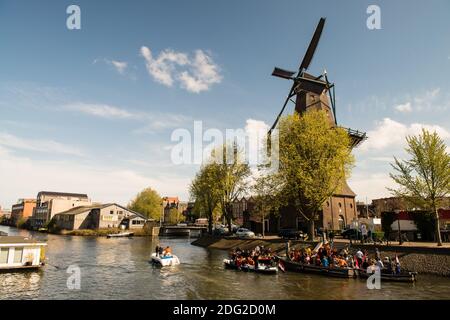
<point x="312" y="92"/>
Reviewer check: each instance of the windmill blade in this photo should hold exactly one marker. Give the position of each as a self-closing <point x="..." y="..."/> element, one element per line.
<point x="282" y="109"/>
<point x="312" y="46"/>
<point x="331" y="95"/>
<point x="281" y="73"/>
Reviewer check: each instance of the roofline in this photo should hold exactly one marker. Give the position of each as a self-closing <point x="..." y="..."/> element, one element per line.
<point x="81" y="195"/>
<point x="24" y="244"/>
<point x="101" y="206"/>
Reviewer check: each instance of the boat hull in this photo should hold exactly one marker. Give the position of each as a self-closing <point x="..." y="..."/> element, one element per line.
<point x="120" y="235"/>
<point x="20" y="268"/>
<point x="308" y="268"/>
<point x="409" y="277"/>
<point x="165" y="261"/>
<point x="246" y="268"/>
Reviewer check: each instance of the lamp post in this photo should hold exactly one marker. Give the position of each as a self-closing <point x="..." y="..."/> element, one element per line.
<point x="161" y="220"/>
<point x="400" y="242"/>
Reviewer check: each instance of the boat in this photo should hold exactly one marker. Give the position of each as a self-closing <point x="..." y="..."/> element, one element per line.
<point x="388" y="276"/>
<point x="21" y="253"/>
<point x="290" y="265"/>
<point x="120" y="235"/>
<point x="164" y="261"/>
<point x="265" y="268"/>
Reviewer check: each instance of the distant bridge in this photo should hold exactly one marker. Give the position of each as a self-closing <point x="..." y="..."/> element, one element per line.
<point x="185" y="231"/>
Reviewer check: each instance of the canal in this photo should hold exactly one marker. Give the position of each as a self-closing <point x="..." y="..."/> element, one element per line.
<point x="120" y="269"/>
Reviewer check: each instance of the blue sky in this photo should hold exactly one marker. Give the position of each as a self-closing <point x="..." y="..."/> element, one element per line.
<point x="86" y="111"/>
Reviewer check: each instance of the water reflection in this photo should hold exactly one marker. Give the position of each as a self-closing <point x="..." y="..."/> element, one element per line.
<point x="121" y="269"/>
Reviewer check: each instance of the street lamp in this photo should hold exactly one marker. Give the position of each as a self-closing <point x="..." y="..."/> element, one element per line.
<point x="161" y="220"/>
<point x="400" y="242"/>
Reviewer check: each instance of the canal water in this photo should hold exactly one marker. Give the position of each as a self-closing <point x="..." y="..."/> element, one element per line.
<point x="120" y="269"/>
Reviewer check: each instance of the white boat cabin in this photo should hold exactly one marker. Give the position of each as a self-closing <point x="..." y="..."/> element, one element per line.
<point x="21" y="253"/>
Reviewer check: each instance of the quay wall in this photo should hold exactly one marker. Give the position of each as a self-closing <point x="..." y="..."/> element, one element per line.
<point x="424" y="260"/>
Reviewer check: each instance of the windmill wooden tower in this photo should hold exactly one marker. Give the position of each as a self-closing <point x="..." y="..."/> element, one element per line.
<point x="309" y="92"/>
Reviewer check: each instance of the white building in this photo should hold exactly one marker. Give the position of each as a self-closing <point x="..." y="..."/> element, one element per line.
<point x="51" y="203"/>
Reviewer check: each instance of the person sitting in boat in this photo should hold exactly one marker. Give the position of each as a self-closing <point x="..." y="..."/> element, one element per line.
<point x="167" y="252"/>
<point x="379" y="264"/>
<point x="372" y="267"/>
<point x="160" y="250"/>
<point x="359" y="256"/>
<point x="325" y="262"/>
<point x="342" y="263"/>
<point x="397" y="265"/>
<point x="365" y="264"/>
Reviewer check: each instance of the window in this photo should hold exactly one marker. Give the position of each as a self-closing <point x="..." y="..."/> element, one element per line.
<point x="340" y="205"/>
<point x="4" y="255"/>
<point x="328" y="204"/>
<point x="111" y="212"/>
<point x="18" y="253"/>
<point x="351" y="206"/>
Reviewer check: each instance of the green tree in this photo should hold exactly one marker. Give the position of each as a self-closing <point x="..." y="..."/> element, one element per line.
<point x="173" y="216"/>
<point x="147" y="202"/>
<point x="424" y="179"/>
<point x="232" y="177"/>
<point x="204" y="192"/>
<point x="314" y="161"/>
<point x="265" y="199"/>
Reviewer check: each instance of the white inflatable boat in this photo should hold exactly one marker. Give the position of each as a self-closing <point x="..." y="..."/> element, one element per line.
<point x="164" y="261"/>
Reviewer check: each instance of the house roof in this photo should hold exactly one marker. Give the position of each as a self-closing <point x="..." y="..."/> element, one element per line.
<point x="345" y="191"/>
<point x="82" y="209"/>
<point x="18" y="240"/>
<point x="79" y="210"/>
<point x="64" y="194"/>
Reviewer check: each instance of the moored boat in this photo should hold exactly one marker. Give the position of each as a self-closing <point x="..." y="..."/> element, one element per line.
<point x="387" y="276"/>
<point x="262" y="267"/>
<point x="290" y="265"/>
<point x="120" y="235"/>
<point x="165" y="260"/>
<point x="21" y="253"/>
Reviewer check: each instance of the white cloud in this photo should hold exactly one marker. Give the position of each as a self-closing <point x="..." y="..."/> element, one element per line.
<point x="204" y="74"/>
<point x="195" y="74"/>
<point x="406" y="107"/>
<point x="256" y="131"/>
<point x="153" y="122"/>
<point x="389" y="133"/>
<point x="100" y="110"/>
<point x="371" y="185"/>
<point x="429" y="100"/>
<point x="371" y="176"/>
<point x="120" y="66"/>
<point x="46" y="146"/>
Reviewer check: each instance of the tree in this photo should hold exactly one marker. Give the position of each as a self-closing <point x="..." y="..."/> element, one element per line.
<point x="173" y="216"/>
<point x="204" y="192"/>
<point x="424" y="179"/>
<point x="147" y="202"/>
<point x="265" y="199"/>
<point x="314" y="161"/>
<point x="232" y="177"/>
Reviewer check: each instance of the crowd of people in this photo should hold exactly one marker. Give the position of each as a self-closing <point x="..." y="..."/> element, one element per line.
<point x="259" y="255"/>
<point x="327" y="256"/>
